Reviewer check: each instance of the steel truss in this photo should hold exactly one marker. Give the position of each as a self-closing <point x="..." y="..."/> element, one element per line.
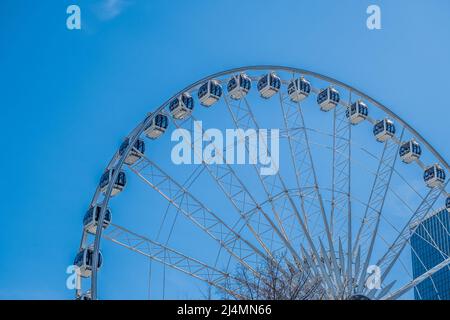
<point x="282" y="222"/>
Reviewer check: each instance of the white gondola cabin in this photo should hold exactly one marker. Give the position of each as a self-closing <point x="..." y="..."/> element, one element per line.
<point x="157" y="126"/>
<point x="447" y="203"/>
<point x="135" y="153"/>
<point x="182" y="106"/>
<point x="238" y="86"/>
<point x="119" y="184"/>
<point x="357" y="112"/>
<point x="268" y="85"/>
<point x="90" y="220"/>
<point x="384" y="130"/>
<point x="328" y="98"/>
<point x="84" y="261"/>
<point x="410" y="151"/>
<point x="434" y="176"/>
<point x="85" y="296"/>
<point x="299" y="89"/>
<point x="209" y="93"/>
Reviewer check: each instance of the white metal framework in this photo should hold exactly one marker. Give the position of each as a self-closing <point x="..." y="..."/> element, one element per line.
<point x="348" y="192"/>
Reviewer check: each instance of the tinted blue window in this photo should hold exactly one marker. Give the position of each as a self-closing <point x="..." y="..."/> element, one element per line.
<point x="244" y="82"/>
<point x="291" y="88"/>
<point x="173" y="104"/>
<point x="104" y="179"/>
<point x="429" y="173"/>
<point x="262" y="82"/>
<point x="334" y="95"/>
<point x="123" y="146"/>
<point x="203" y="90"/>
<point x="88" y="216"/>
<point x="441" y="174"/>
<point x="404" y="149"/>
<point x="323" y="96"/>
<point x="121" y="179"/>
<point x="188" y="102"/>
<point x="89" y="258"/>
<point x="378" y="128"/>
<point x="305" y="86"/>
<point x="161" y="121"/>
<point x="231" y="84"/>
<point x="390" y="127"/>
<point x="216" y="90"/>
<point x="79" y="259"/>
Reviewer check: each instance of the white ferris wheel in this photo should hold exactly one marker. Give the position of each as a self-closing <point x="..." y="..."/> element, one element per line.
<point x="343" y="203"/>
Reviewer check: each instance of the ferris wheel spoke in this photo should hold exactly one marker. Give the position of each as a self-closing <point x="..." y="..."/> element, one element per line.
<point x="400" y="292"/>
<point x="243" y="118"/>
<point x="276" y="182"/>
<point x="327" y="224"/>
<point x="388" y="260"/>
<point x="384" y="291"/>
<point x="317" y="266"/>
<point x="341" y="166"/>
<point x="302" y="160"/>
<point x="393" y="192"/>
<point x="362" y="166"/>
<point x="370" y="224"/>
<point x="341" y="206"/>
<point x="371" y="293"/>
<point x="303" y="165"/>
<point x="197" y="212"/>
<point x="299" y="156"/>
<point x="171" y="258"/>
<point x="236" y="192"/>
<point x="424" y="235"/>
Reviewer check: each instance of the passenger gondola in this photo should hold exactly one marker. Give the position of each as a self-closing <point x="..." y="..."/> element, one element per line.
<point x="268" y="85"/>
<point x="209" y="93"/>
<point x="357" y="112"/>
<point x="90" y="220"/>
<point x="119" y="184"/>
<point x="182" y="106"/>
<point x="157" y="126"/>
<point x="299" y="89"/>
<point x="410" y="151"/>
<point x="384" y="130"/>
<point x="238" y="86"/>
<point x="84" y="296"/>
<point x="84" y="261"/>
<point x="328" y="98"/>
<point x="135" y="153"/>
<point x="434" y="176"/>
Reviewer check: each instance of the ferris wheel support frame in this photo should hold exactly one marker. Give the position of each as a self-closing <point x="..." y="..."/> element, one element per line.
<point x="117" y="160"/>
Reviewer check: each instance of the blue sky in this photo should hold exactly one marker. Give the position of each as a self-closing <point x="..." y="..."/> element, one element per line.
<point x="68" y="97"/>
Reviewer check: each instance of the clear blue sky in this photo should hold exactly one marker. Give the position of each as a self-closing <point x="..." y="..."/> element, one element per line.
<point x="68" y="97"/>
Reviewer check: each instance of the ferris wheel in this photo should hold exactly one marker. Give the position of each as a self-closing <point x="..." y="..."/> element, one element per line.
<point x="343" y="204"/>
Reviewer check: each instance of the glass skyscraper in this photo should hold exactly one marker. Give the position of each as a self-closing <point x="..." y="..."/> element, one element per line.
<point x="433" y="230"/>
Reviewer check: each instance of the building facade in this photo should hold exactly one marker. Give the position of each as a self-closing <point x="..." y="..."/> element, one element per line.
<point x="431" y="233"/>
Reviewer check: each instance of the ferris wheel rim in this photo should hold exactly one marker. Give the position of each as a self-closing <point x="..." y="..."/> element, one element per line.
<point x="324" y="78"/>
<point x="117" y="160"/>
<point x="321" y="77"/>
